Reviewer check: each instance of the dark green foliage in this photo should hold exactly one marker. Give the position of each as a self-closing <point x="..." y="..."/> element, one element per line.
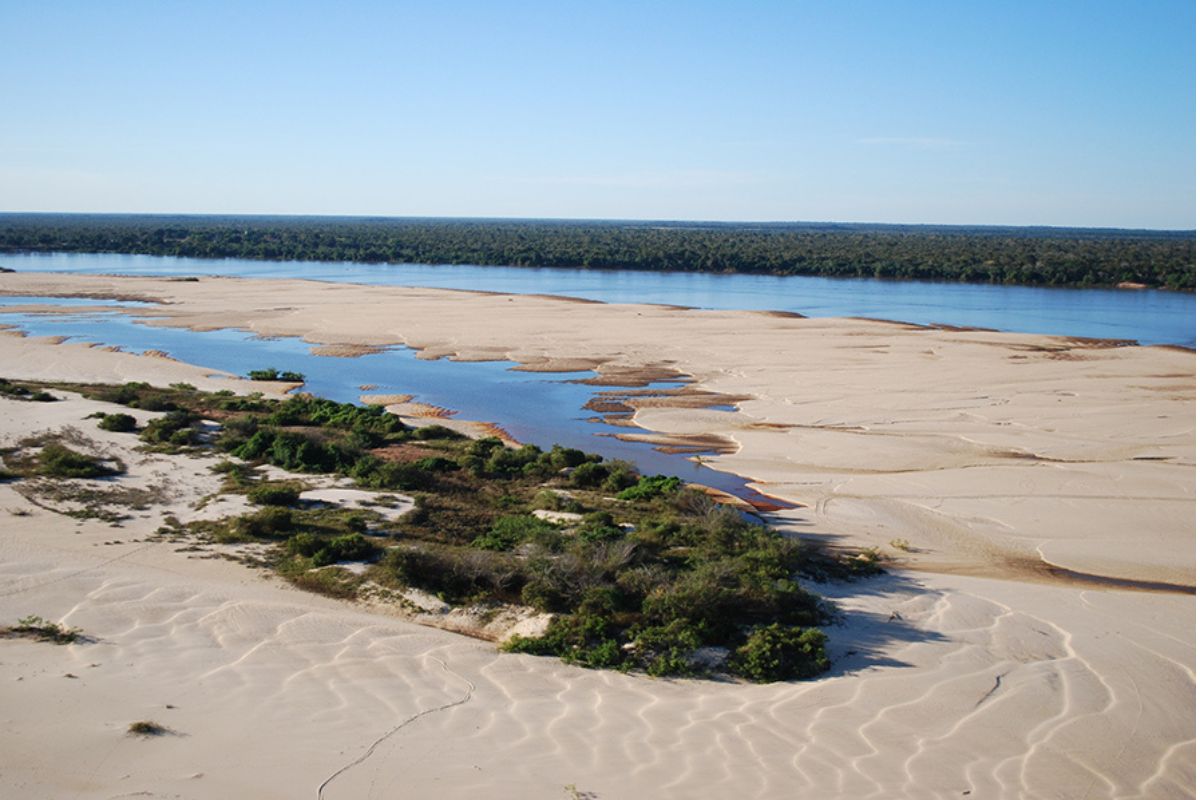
<point x="272" y="374"/>
<point x="15" y="391"/>
<point x="779" y="652"/>
<point x="649" y="486"/>
<point x="118" y="423"/>
<point x="42" y="629"/>
<point x="666" y="649"/>
<point x="589" y="475"/>
<point x="59" y="461"/>
<point x="456" y="573"/>
<point x="374" y="473"/>
<point x="431" y="432"/>
<point x="1036" y="256"/>
<point x="274" y="494"/>
<point x="599" y="526"/>
<point x="508" y="532"/>
<point x="373" y="424"/>
<point x="350" y="547"/>
<point x="178" y="428"/>
<point x="298" y="452"/>
<point x="271" y="522"/>
<point x="435" y="464"/>
<point x="589" y="637"/>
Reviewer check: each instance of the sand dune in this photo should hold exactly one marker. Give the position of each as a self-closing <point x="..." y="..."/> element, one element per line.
<point x="994" y="682"/>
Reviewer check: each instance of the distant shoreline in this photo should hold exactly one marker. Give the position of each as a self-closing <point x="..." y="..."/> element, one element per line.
<point x="1034" y="256"/>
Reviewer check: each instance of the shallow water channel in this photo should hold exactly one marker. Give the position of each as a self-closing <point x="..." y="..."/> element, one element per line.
<point x="538" y="408"/>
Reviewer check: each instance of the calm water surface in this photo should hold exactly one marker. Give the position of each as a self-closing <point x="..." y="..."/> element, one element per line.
<point x="1149" y="317"/>
<point x="547" y="409"/>
<point x="539" y="408"/>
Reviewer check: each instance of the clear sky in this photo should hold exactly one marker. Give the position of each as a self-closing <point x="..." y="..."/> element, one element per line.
<point x="1056" y="113"/>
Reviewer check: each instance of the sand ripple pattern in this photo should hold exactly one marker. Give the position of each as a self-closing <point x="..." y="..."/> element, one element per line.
<point x="936" y="692"/>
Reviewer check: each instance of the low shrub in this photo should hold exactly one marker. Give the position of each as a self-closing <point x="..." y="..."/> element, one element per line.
<point x="649" y="487"/>
<point x="666" y="649"/>
<point x="271" y="522"/>
<point x="508" y="532"/>
<point x="272" y="374"/>
<point x="118" y="423"/>
<point x="780" y="653"/>
<point x="59" y="461"/>
<point x="274" y="494"/>
<point x="42" y="629"/>
<point x="177" y="428"/>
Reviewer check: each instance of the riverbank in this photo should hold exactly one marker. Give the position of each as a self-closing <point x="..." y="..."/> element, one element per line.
<point x="984" y="450"/>
<point x="979" y="449"/>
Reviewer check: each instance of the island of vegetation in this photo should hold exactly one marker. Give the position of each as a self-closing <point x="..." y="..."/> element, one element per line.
<point x="635" y="572"/>
<point x="1036" y="256"/>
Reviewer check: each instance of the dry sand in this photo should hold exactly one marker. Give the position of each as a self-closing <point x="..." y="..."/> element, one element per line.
<point x="976" y="672"/>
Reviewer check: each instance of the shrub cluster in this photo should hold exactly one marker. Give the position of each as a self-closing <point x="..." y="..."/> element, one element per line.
<point x="274" y="494"/>
<point x="118" y="423"/>
<point x="59" y="461"/>
<point x="349" y="547"/>
<point x="272" y="374"/>
<point x="17" y="392"/>
<point x="177" y="428"/>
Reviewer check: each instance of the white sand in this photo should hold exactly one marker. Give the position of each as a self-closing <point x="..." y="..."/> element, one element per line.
<point x="980" y="449"/>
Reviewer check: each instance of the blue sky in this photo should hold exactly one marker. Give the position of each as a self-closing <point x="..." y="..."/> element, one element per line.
<point x="1057" y="113"/>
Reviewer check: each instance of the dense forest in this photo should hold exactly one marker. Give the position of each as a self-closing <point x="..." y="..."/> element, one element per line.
<point x="1030" y="256"/>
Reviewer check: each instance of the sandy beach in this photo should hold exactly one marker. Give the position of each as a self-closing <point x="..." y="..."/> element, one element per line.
<point x="1035" y="636"/>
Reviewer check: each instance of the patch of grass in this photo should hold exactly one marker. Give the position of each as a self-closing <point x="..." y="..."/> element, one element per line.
<point x="42" y="629"/>
<point x="59" y="461"/>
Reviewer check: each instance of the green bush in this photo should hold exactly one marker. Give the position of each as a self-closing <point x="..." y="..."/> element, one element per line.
<point x="589" y="474"/>
<point x="272" y="374"/>
<point x="59" y="461"/>
<point x="436" y="432"/>
<point x="781" y="653"/>
<point x="118" y="423"/>
<point x="177" y="428"/>
<point x="666" y="649"/>
<point x="621" y="476"/>
<point x="508" y="532"/>
<point x="350" y="547"/>
<point x="271" y="522"/>
<point x="456" y="573"/>
<point x="599" y="526"/>
<point x="274" y="494"/>
<point x="649" y="487"/>
<point x="375" y="473"/>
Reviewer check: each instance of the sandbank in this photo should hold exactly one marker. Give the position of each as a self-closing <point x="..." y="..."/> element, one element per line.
<point x="961" y="672"/>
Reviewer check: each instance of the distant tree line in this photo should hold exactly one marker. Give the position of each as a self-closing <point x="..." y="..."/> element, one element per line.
<point x="1029" y="256"/>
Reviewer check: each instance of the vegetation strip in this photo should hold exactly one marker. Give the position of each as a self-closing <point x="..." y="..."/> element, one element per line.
<point x="1008" y="255"/>
<point x="637" y="572"/>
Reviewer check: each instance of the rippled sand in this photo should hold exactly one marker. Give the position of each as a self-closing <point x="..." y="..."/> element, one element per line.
<point x="975" y="674"/>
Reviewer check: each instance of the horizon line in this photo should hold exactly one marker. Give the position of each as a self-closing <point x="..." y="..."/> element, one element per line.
<point x="603" y="220"/>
